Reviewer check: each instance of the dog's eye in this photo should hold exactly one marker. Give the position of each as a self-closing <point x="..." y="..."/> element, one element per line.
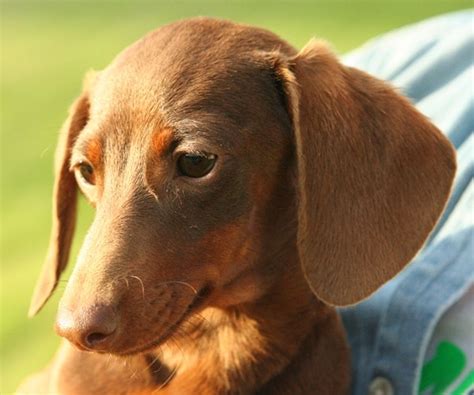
<point x="196" y="165"/>
<point x="87" y="172"/>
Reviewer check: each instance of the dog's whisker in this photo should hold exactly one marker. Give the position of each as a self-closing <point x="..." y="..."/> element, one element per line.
<point x="126" y="282"/>
<point x="175" y="369"/>
<point x="179" y="282"/>
<point x="150" y="190"/>
<point x="141" y="283"/>
<point x="168" y="379"/>
<point x="149" y="365"/>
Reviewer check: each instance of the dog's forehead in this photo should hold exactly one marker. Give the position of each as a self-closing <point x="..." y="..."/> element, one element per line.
<point x="187" y="65"/>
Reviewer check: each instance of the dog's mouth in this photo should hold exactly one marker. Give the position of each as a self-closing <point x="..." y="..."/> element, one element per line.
<point x="197" y="302"/>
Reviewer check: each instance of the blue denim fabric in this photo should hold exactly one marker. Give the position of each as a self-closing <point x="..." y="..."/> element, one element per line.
<point x="433" y="64"/>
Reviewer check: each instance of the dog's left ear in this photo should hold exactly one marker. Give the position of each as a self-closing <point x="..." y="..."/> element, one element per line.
<point x="373" y="174"/>
<point x="64" y="202"/>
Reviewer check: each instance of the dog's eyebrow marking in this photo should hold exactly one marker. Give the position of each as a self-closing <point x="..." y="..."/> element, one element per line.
<point x="163" y="141"/>
<point x="94" y="150"/>
<point x="90" y="149"/>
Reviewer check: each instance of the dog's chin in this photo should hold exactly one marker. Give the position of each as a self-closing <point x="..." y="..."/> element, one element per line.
<point x="196" y="304"/>
<point x="151" y="345"/>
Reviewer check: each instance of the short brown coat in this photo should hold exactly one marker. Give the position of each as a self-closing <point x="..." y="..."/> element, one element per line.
<point x="327" y="183"/>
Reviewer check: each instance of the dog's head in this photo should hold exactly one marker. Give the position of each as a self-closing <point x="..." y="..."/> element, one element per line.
<point x="211" y="151"/>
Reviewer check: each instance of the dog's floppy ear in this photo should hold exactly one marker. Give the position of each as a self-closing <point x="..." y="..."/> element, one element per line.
<point x="64" y="205"/>
<point x="373" y="175"/>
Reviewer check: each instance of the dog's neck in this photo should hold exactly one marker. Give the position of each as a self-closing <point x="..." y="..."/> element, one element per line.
<point x="245" y="347"/>
<point x="240" y="348"/>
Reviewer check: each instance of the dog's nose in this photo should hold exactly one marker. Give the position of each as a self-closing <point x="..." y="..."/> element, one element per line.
<point x="90" y="328"/>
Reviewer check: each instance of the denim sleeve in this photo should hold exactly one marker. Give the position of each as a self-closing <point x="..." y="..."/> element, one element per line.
<point x="432" y="63"/>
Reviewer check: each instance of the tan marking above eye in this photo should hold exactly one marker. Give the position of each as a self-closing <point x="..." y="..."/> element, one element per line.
<point x="94" y="151"/>
<point x="162" y="141"/>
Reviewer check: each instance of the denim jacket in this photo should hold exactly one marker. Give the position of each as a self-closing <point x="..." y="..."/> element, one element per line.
<point x="432" y="63"/>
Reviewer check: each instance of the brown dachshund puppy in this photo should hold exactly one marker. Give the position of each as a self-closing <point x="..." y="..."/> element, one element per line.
<point x="242" y="190"/>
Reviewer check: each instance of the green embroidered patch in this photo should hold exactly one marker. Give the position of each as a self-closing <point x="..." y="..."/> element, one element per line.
<point x="443" y="369"/>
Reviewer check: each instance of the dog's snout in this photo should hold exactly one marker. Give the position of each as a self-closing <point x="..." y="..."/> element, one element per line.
<point x="91" y="328"/>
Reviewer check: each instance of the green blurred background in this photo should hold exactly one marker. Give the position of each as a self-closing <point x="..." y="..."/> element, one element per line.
<point x="46" y="47"/>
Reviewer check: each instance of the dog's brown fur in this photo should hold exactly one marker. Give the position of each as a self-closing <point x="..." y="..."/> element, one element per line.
<point x="327" y="183"/>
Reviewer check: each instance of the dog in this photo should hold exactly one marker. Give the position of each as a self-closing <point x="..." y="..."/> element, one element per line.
<point x="242" y="191"/>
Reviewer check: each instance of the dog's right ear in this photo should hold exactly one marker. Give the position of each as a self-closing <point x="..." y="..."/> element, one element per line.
<point x="64" y="204"/>
<point x="373" y="174"/>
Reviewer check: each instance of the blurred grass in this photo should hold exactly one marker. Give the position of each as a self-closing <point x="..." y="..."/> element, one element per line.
<point x="45" y="49"/>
